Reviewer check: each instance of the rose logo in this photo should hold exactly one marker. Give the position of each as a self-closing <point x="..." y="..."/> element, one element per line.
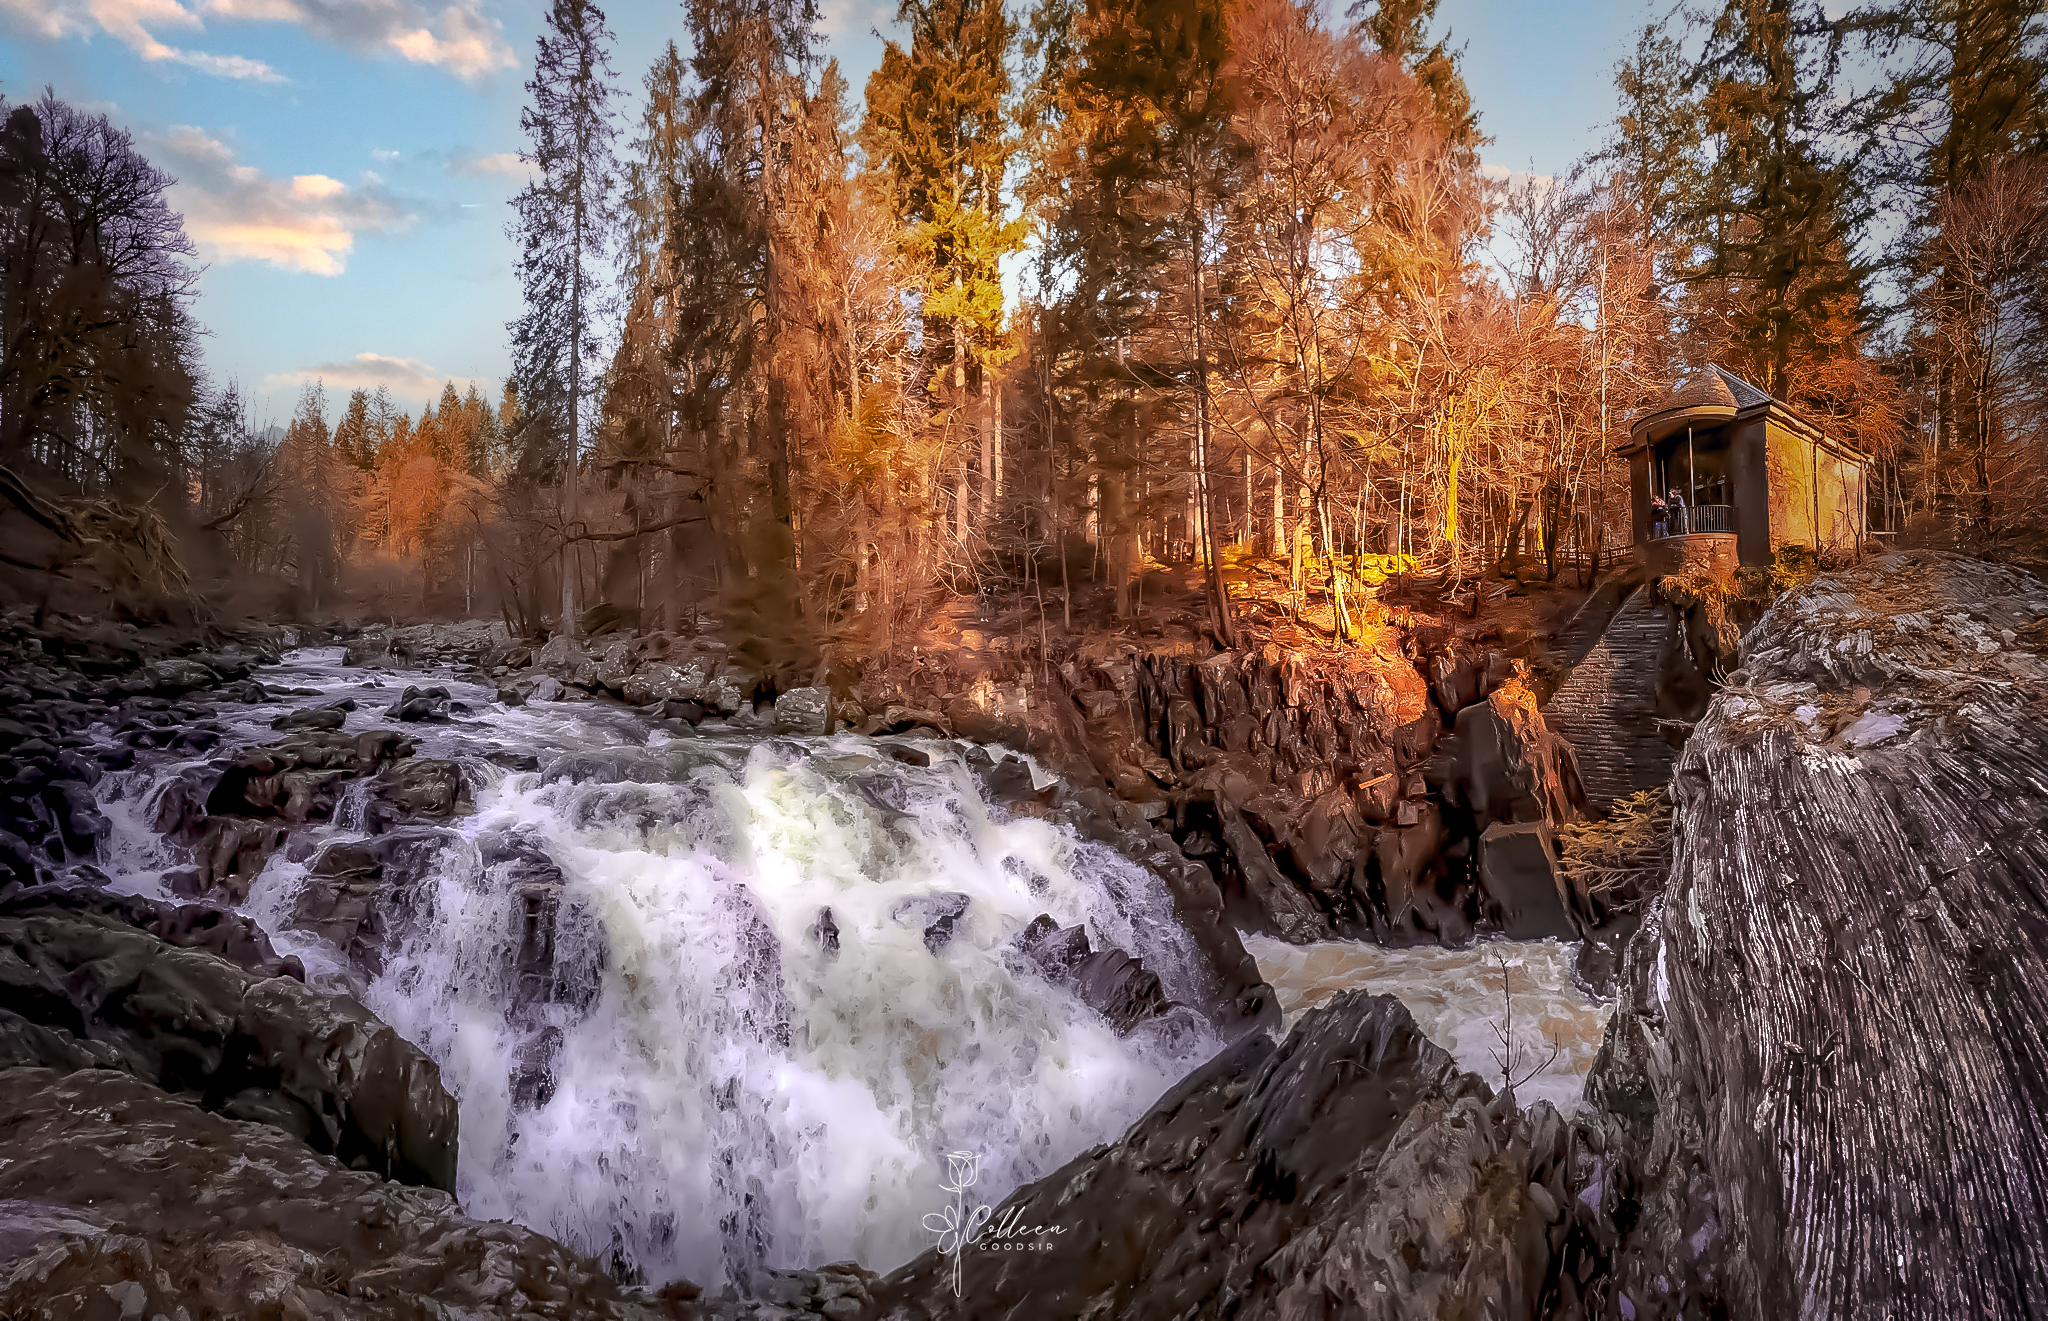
<point x="955" y="1225"/>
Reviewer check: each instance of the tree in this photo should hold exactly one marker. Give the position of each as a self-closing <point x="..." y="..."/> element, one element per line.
<point x="97" y="348"/>
<point x="939" y="144"/>
<point x="1776" y="217"/>
<point x="565" y="220"/>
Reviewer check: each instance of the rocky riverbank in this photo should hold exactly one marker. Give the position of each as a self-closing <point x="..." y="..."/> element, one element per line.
<point x="1404" y="790"/>
<point x="1884" y="725"/>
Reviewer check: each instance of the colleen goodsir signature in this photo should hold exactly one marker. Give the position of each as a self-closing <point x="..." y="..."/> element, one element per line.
<point x="960" y="1227"/>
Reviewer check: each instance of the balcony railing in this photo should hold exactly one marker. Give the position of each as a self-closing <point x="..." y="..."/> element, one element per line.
<point x="1694" y="518"/>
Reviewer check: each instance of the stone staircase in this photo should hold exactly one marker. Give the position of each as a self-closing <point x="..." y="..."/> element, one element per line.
<point x="1607" y="706"/>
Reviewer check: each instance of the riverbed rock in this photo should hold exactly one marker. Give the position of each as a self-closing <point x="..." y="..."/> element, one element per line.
<point x="418" y="788"/>
<point x="309" y="718"/>
<point x="1109" y="981"/>
<point x="1833" y="1023"/>
<point x="1349" y="1171"/>
<point x="1502" y="764"/>
<point x="662" y="681"/>
<point x="802" y="711"/>
<point x="117" y="1200"/>
<point x="358" y="894"/>
<point x="234" y="816"/>
<point x="421" y="704"/>
<point x="563" y="660"/>
<point x="264" y="1048"/>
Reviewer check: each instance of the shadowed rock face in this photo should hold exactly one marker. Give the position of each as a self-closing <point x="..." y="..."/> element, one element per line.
<point x="1351" y="1171"/>
<point x="1832" y="1039"/>
<point x="119" y="1201"/>
<point x="233" y="1031"/>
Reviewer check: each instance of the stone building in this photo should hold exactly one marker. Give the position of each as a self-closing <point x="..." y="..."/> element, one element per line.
<point x="1753" y="474"/>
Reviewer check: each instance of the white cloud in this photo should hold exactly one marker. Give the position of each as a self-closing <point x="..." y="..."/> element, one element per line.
<point x="236" y="212"/>
<point x="498" y="165"/>
<point x="457" y="36"/>
<point x="840" y="18"/>
<point x="407" y="378"/>
<point x="134" y="24"/>
<point x="1501" y="174"/>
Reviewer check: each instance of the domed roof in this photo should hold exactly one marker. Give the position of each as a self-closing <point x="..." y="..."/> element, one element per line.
<point x="1700" y="390"/>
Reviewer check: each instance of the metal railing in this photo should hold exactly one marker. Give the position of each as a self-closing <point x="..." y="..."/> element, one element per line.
<point x="1694" y="518"/>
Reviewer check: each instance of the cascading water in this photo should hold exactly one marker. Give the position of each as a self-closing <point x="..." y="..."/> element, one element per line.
<point x="717" y="1003"/>
<point x="722" y="1002"/>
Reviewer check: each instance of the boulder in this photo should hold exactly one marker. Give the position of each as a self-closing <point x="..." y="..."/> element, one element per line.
<point x="662" y="681"/>
<point x="309" y="718"/>
<point x="414" y="789"/>
<point x="1109" y="981"/>
<point x="1350" y="1171"/>
<point x="1526" y="894"/>
<point x="563" y="660"/>
<point x="803" y="711"/>
<point x="117" y="1200"/>
<point x="421" y="704"/>
<point x="256" y="1047"/>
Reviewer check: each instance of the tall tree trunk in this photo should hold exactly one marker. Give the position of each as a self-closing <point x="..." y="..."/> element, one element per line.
<point x="1219" y="597"/>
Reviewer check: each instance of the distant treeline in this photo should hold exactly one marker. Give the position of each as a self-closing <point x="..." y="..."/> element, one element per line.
<point x="1270" y="301"/>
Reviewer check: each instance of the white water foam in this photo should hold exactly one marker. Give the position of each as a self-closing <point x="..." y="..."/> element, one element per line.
<point x="727" y="1093"/>
<point x="1457" y="998"/>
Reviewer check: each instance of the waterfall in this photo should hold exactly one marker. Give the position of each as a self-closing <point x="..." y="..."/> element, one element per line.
<point x="716" y="1003"/>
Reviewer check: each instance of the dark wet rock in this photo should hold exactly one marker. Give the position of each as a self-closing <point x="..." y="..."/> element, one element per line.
<point x="1010" y="784"/>
<point x="117" y="1200"/>
<point x="255" y="800"/>
<point x="421" y="704"/>
<point x="309" y="718"/>
<point x="357" y="893"/>
<point x="1351" y="1171"/>
<point x="935" y="914"/>
<point x="1109" y="981"/>
<point x="415" y="788"/>
<point x="688" y="710"/>
<point x="826" y="932"/>
<point x="1502" y="764"/>
<point x="232" y="1040"/>
<point x="170" y="677"/>
<point x="1526" y="893"/>
<point x="202" y="927"/>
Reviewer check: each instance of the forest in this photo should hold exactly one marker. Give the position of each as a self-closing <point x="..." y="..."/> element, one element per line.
<point x="1071" y="292"/>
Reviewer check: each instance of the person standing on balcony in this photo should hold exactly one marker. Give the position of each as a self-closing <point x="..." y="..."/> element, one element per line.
<point x="1658" y="515"/>
<point x="1677" y="503"/>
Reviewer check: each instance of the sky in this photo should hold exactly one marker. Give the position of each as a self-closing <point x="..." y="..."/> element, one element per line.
<point x="344" y="166"/>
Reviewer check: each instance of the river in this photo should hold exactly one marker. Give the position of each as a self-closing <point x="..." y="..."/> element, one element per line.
<point x="780" y="983"/>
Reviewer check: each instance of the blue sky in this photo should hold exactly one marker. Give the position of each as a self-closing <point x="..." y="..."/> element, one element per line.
<point x="344" y="165"/>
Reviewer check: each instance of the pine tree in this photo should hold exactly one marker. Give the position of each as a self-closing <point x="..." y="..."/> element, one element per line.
<point x="352" y="438"/>
<point x="1775" y="214"/>
<point x="939" y="141"/>
<point x="1400" y="28"/>
<point x="565" y="221"/>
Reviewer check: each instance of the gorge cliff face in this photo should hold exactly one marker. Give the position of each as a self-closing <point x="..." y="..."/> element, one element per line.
<point x="1830" y="1043"/>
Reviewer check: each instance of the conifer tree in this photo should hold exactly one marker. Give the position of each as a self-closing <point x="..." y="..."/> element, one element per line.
<point x="565" y="221"/>
<point x="939" y="141"/>
<point x="1775" y="214"/>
